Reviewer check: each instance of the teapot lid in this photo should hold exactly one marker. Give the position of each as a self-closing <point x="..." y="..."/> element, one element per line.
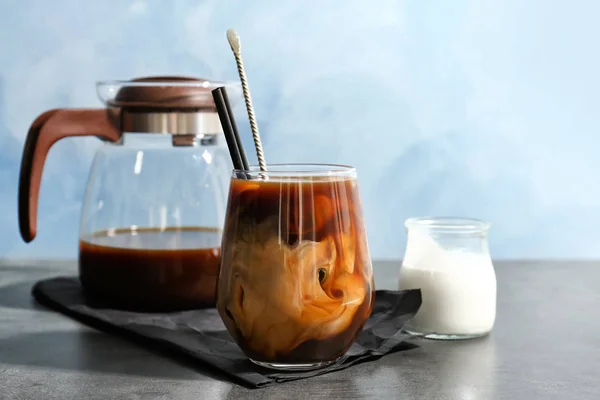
<point x="160" y="92"/>
<point x="165" y="104"/>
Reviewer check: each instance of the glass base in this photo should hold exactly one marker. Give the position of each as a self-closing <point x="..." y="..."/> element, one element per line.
<point x="295" y="367"/>
<point x="444" y="336"/>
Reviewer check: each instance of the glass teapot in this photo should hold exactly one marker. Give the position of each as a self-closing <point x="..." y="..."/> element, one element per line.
<point x="156" y="194"/>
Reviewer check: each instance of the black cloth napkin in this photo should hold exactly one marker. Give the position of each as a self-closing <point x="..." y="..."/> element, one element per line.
<point x="201" y="335"/>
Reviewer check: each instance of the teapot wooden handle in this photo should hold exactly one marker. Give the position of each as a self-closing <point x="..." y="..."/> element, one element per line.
<point x="46" y="130"/>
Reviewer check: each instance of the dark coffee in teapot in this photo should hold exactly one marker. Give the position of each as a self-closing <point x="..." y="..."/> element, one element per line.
<point x="151" y="269"/>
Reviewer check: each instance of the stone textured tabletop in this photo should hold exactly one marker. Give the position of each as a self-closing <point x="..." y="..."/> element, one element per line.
<point x="546" y="345"/>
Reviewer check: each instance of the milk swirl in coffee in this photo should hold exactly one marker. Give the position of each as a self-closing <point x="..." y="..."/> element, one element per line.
<point x="296" y="283"/>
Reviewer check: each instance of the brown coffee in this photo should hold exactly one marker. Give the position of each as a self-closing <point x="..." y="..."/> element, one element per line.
<point x="151" y="269"/>
<point x="296" y="283"/>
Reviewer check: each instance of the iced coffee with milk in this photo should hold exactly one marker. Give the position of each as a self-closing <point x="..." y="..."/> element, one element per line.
<point x="296" y="282"/>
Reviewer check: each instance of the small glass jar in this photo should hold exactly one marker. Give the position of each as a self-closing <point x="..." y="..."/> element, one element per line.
<point x="449" y="260"/>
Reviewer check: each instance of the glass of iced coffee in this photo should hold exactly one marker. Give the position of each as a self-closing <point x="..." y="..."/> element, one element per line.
<point x="296" y="282"/>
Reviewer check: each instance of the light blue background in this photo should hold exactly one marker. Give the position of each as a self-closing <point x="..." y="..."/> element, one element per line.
<point x="482" y="108"/>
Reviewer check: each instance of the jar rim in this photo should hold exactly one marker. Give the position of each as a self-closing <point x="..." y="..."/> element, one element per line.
<point x="458" y="225"/>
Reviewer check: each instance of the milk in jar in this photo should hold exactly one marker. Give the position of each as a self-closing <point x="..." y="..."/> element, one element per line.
<point x="448" y="259"/>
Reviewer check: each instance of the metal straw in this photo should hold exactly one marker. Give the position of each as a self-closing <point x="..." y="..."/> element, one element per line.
<point x="234" y="42"/>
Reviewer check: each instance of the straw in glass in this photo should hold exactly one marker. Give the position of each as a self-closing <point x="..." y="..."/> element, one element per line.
<point x="232" y="137"/>
<point x="234" y="42"/>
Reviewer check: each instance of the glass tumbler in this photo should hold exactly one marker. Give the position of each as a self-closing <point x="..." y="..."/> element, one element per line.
<point x="449" y="260"/>
<point x="296" y="283"/>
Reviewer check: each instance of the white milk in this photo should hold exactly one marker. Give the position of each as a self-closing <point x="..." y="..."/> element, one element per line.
<point x="458" y="288"/>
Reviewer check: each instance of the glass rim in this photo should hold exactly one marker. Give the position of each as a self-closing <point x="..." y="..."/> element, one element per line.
<point x="283" y="170"/>
<point x="459" y="225"/>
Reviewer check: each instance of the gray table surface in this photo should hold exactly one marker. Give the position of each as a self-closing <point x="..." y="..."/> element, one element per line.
<point x="546" y="345"/>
